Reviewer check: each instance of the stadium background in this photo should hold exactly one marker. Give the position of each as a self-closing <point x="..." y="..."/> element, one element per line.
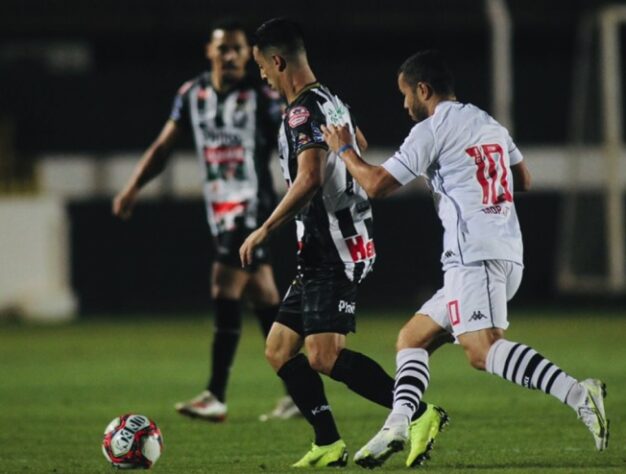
<point x="86" y="86"/>
<point x="98" y="80"/>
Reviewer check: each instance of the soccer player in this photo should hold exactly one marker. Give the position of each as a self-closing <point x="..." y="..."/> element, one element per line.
<point x="472" y="167"/>
<point x="336" y="252"/>
<point x="234" y="123"/>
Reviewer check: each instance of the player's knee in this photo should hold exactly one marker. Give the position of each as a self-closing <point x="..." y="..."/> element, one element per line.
<point x="477" y="356"/>
<point x="408" y="339"/>
<point x="276" y="356"/>
<point x="322" y="362"/>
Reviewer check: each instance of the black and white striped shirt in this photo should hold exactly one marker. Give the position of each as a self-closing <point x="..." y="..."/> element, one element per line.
<point x="336" y="228"/>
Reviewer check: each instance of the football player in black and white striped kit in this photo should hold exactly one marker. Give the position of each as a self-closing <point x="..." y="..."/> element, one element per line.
<point x="335" y="247"/>
<point x="234" y="122"/>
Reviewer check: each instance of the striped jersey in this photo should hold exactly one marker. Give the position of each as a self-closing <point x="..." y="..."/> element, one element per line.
<point x="466" y="157"/>
<point x="336" y="228"/>
<point x="234" y="133"/>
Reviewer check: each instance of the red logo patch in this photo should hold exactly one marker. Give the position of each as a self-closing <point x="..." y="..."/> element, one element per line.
<point x="453" y="312"/>
<point x="298" y="116"/>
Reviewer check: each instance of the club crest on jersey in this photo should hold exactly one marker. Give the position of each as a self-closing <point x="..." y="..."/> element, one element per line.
<point x="298" y="116"/>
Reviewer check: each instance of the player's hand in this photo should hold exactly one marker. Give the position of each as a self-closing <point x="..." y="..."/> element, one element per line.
<point x="124" y="203"/>
<point x="337" y="136"/>
<point x="246" y="251"/>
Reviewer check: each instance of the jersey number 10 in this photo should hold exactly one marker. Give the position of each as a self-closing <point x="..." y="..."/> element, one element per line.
<point x="491" y="173"/>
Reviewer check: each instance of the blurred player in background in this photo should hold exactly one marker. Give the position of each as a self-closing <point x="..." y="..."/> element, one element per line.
<point x="472" y="167"/>
<point x="234" y="123"/>
<point x="336" y="251"/>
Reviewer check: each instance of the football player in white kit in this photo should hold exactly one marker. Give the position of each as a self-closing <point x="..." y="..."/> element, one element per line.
<point x="472" y="167"/>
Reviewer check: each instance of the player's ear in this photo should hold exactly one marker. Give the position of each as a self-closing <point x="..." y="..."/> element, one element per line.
<point x="279" y="62"/>
<point x="424" y="90"/>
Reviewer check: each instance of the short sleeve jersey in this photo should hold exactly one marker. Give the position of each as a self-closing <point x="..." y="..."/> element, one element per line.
<point x="336" y="228"/>
<point x="234" y="134"/>
<point x="466" y="157"/>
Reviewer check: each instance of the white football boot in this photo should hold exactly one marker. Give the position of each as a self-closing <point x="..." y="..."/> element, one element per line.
<point x="205" y="406"/>
<point x="285" y="409"/>
<point x="389" y="440"/>
<point x="591" y="412"/>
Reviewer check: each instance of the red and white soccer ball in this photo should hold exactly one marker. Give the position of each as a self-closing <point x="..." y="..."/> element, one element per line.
<point x="132" y="442"/>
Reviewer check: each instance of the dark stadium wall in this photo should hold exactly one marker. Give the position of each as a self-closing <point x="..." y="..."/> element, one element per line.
<point x="160" y="260"/>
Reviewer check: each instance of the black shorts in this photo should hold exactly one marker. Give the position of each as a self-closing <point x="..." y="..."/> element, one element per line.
<point x="319" y="300"/>
<point x="227" y="249"/>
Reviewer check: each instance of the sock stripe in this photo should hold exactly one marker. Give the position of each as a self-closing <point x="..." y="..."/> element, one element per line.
<point x="416" y="362"/>
<point x="524" y="366"/>
<point x="535" y="360"/>
<point x="414" y="372"/>
<point x="508" y="360"/>
<point x="545" y="370"/>
<point x="412" y="377"/>
<point x="552" y="379"/>
<point x="414" y="381"/>
<point x="519" y="362"/>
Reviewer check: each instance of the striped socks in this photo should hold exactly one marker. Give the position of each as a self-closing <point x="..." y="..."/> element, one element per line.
<point x="524" y="366"/>
<point x="412" y="377"/>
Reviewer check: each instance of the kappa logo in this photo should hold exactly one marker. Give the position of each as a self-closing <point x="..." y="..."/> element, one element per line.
<point x="477" y="316"/>
<point x="345" y="307"/>
<point x="298" y="116"/>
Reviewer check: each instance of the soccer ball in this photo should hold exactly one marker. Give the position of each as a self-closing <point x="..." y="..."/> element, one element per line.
<point x="132" y="442"/>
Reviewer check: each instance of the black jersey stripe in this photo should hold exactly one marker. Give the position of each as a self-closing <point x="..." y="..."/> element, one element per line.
<point x="346" y="223"/>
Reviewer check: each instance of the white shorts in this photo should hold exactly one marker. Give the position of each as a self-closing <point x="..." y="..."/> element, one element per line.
<point x="474" y="296"/>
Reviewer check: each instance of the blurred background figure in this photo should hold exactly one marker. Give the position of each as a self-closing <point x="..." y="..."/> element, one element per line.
<point x="234" y="121"/>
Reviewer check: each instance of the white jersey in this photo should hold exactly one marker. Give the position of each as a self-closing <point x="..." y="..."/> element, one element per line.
<point x="466" y="157"/>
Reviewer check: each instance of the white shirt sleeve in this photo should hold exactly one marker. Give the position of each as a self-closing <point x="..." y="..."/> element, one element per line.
<point x="414" y="156"/>
<point x="515" y="156"/>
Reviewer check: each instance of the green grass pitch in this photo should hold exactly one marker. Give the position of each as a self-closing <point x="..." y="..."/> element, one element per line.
<point x="60" y="386"/>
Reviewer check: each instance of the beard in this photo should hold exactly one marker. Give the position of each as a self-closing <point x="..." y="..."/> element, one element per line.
<point x="419" y="112"/>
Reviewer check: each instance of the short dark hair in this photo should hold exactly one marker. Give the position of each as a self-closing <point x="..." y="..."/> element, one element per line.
<point x="227" y="24"/>
<point x="430" y="67"/>
<point x="282" y="34"/>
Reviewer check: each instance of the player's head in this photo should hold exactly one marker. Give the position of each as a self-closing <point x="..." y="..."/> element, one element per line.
<point x="228" y="50"/>
<point x="424" y="77"/>
<point x="278" y="45"/>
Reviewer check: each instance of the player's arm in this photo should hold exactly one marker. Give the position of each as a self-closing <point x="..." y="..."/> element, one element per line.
<point x="360" y="140"/>
<point x="521" y="177"/>
<point x="151" y="165"/>
<point x="310" y="177"/>
<point x="375" y="180"/>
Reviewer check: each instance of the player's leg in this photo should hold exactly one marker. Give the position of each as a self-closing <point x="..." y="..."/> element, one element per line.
<point x="261" y="291"/>
<point x="303" y="383"/>
<point x="412" y="377"/>
<point x="227" y="284"/>
<point x="487" y="349"/>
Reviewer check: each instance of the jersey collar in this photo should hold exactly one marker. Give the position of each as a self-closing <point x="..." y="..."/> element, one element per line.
<point x="307" y="87"/>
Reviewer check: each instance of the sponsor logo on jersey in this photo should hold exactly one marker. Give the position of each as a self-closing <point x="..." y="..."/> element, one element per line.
<point x="219" y="138"/>
<point x="224" y="154"/>
<point x="298" y="116"/>
<point x="225" y="213"/>
<point x="359" y="249"/>
<point x="346" y="307"/>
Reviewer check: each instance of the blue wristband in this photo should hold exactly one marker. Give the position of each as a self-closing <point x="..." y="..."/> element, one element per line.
<point x="344" y="148"/>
